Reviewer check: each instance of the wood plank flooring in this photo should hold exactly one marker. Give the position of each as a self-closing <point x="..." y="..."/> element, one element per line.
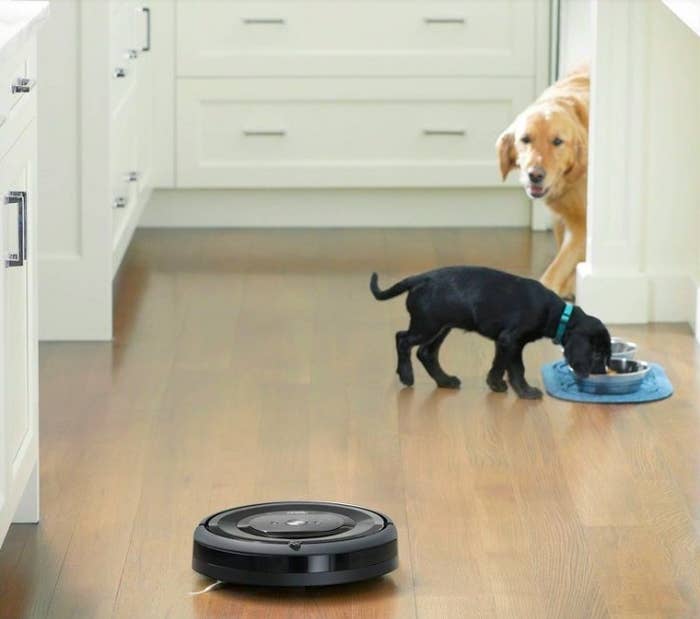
<point x="255" y="365"/>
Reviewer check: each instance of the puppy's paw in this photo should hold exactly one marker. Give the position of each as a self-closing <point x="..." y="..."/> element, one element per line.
<point x="406" y="376"/>
<point x="449" y="382"/>
<point x="496" y="384"/>
<point x="530" y="393"/>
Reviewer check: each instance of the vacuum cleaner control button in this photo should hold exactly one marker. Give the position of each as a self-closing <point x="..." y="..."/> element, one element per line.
<point x="294" y="524"/>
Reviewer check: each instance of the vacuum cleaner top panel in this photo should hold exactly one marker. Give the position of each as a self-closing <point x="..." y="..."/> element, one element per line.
<point x="301" y="543"/>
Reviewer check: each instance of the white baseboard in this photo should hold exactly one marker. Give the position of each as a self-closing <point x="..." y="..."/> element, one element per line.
<point x="331" y="208"/>
<point x="672" y="297"/>
<point x="633" y="298"/>
<point x="614" y="298"/>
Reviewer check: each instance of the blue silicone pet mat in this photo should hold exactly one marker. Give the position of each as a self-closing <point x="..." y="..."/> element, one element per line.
<point x="560" y="383"/>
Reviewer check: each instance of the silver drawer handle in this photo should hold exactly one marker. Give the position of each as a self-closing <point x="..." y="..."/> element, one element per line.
<point x="262" y="21"/>
<point x="20" y="199"/>
<point x="132" y="177"/>
<point x="147" y="11"/>
<point x="445" y="20"/>
<point x="132" y="54"/>
<point x="120" y="72"/>
<point x="273" y="133"/>
<point x="23" y="84"/>
<point x="120" y="202"/>
<point x="459" y="132"/>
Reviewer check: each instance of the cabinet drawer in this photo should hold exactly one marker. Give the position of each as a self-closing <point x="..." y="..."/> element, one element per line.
<point x="17" y="96"/>
<point x="343" y="132"/>
<point x="351" y="37"/>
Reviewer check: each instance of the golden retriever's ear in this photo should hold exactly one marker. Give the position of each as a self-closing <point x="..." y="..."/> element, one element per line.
<point x="505" y="147"/>
<point x="580" y="155"/>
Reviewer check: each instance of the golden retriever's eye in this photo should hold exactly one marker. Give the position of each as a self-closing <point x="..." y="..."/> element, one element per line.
<point x="557" y="141"/>
<point x="525" y="139"/>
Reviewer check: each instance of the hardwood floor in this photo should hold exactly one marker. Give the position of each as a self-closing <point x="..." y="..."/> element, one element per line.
<point x="255" y="365"/>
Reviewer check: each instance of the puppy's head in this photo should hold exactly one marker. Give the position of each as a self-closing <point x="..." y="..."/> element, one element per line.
<point x="549" y="144"/>
<point x="587" y="345"/>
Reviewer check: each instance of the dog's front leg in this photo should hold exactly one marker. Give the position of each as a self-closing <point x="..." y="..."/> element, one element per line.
<point x="559" y="229"/>
<point x="494" y="379"/>
<point x="516" y="376"/>
<point x="558" y="276"/>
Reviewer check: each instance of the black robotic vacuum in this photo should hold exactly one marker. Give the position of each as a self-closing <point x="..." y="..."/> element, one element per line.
<point x="295" y="544"/>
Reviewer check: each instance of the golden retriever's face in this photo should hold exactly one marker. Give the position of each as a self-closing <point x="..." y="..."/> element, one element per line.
<point x="549" y="148"/>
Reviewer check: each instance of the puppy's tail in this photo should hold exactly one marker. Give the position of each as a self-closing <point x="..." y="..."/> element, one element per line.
<point x="395" y="290"/>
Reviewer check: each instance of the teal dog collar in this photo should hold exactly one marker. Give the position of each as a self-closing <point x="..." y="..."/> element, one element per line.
<point x="563" y="322"/>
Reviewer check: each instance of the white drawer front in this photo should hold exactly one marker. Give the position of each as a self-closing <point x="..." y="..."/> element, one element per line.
<point x="343" y="132"/>
<point x="356" y="37"/>
<point x="17" y="96"/>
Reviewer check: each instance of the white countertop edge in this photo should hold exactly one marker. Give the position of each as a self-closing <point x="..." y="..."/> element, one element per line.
<point x="19" y="20"/>
<point x="688" y="11"/>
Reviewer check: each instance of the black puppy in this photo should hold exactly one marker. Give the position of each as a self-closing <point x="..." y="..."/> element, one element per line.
<point x="510" y="310"/>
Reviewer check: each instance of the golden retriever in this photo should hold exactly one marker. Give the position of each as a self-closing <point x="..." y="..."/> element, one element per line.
<point x="548" y="141"/>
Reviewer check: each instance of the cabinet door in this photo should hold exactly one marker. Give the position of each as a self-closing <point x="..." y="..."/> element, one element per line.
<point x="18" y="349"/>
<point x="144" y="105"/>
<point x="131" y="138"/>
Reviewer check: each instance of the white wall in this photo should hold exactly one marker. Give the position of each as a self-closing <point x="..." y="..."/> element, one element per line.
<point x="642" y="258"/>
<point x="575" y="34"/>
<point x="673" y="164"/>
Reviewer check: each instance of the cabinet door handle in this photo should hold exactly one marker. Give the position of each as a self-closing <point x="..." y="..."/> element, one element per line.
<point x="132" y="177"/>
<point x="270" y="133"/>
<point x="120" y="72"/>
<point x="457" y="132"/>
<point x="147" y="11"/>
<point x="264" y="21"/>
<point x="444" y="20"/>
<point x="23" y="84"/>
<point x="120" y="202"/>
<point x="20" y="199"/>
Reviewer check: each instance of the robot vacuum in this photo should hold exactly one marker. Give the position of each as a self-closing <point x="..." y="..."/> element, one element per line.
<point x="295" y="544"/>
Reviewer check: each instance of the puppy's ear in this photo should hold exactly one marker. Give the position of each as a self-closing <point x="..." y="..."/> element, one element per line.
<point x="579" y="354"/>
<point x="505" y="147"/>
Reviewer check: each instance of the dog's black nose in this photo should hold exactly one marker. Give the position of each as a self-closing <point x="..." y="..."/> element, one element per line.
<point x="536" y="175"/>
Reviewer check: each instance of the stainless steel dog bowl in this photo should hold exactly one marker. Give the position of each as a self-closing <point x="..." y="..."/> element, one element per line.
<point x="621" y="349"/>
<point x="627" y="378"/>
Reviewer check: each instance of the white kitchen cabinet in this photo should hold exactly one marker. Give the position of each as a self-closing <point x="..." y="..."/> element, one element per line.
<point x="96" y="158"/>
<point x="380" y="94"/>
<point x="363" y="98"/>
<point x="19" y="206"/>
<point x="20" y="431"/>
